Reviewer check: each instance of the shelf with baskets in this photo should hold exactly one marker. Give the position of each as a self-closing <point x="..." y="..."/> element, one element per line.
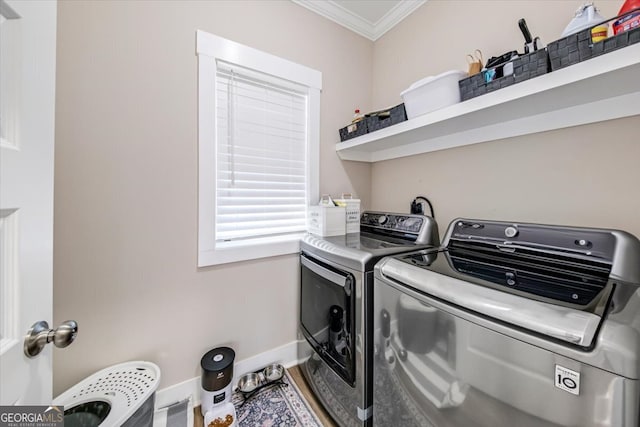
<point x="602" y="88"/>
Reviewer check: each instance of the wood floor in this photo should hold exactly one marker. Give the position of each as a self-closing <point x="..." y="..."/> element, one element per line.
<point x="296" y="374"/>
<point x="324" y="417"/>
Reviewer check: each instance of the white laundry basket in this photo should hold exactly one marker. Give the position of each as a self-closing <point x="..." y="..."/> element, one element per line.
<point x="120" y="395"/>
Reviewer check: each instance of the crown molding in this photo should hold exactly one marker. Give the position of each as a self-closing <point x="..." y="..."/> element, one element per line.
<point x="395" y="16"/>
<point x="340" y="15"/>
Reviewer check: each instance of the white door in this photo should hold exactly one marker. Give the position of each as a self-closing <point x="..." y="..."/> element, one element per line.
<point x="27" y="101"/>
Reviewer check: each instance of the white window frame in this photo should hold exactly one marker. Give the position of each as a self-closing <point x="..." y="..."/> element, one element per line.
<point x="210" y="49"/>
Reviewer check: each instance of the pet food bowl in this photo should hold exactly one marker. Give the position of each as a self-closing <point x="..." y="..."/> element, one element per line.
<point x="249" y="382"/>
<point x="273" y="372"/>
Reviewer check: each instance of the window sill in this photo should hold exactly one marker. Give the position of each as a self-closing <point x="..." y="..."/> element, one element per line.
<point x="245" y="250"/>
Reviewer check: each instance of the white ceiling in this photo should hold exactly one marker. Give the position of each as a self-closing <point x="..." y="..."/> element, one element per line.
<point x="369" y="18"/>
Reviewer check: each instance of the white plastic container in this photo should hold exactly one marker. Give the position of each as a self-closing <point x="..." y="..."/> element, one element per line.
<point x="352" y="212"/>
<point x="326" y="220"/>
<point x="222" y="415"/>
<point x="432" y="93"/>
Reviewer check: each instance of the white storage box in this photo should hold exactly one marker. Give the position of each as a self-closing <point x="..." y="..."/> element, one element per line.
<point x="326" y="220"/>
<point x="352" y="207"/>
<point x="432" y="93"/>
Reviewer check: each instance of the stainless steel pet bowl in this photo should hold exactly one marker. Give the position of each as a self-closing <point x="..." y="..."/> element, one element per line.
<point x="248" y="382"/>
<point x="273" y="372"/>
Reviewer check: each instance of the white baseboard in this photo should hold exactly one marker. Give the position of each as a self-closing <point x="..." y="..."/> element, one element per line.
<point x="286" y="355"/>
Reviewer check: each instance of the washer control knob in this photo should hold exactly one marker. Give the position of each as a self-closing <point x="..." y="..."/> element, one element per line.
<point x="511" y="232"/>
<point x="382" y="219"/>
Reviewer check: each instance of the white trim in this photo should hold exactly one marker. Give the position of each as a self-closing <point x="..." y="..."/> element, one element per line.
<point x="206" y="157"/>
<point x="210" y="49"/>
<point x="350" y="20"/>
<point x="313" y="155"/>
<point x="250" y="249"/>
<point x="395" y="16"/>
<point x="286" y="355"/>
<point x="340" y="15"/>
<point x="229" y="51"/>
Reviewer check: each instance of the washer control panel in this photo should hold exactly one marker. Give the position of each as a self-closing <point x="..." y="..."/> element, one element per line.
<point x="393" y="222"/>
<point x="547" y="238"/>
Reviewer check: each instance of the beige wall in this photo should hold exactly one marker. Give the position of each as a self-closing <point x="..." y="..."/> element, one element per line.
<point x="438" y="36"/>
<point x="126" y="181"/>
<point x="126" y="157"/>
<point x="586" y="175"/>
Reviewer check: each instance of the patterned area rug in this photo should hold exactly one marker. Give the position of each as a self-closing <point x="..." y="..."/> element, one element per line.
<point x="280" y="405"/>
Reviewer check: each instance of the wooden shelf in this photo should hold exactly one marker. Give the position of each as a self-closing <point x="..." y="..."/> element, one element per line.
<point x="603" y="88"/>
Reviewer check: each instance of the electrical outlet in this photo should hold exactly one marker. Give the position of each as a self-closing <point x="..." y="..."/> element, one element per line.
<point x="416" y="208"/>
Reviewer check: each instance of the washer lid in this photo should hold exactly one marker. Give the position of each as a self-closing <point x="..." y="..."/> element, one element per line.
<point x="563" y="323"/>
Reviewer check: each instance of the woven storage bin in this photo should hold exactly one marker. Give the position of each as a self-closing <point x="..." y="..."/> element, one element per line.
<point x="384" y="118"/>
<point x="532" y="65"/>
<point x="579" y="47"/>
<point x="525" y="67"/>
<point x="355" y="129"/>
<point x="472" y="86"/>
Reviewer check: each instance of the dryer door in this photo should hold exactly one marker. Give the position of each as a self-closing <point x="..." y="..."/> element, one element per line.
<point x="327" y="314"/>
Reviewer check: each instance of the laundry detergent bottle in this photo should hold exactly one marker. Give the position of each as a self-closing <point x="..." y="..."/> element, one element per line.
<point x="630" y="21"/>
<point x="586" y="16"/>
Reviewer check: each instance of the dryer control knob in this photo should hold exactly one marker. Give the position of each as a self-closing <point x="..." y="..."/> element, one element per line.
<point x="382" y="219"/>
<point x="511" y="232"/>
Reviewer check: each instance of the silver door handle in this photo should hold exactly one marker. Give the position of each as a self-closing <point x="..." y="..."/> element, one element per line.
<point x="40" y="335"/>
<point x="336" y="278"/>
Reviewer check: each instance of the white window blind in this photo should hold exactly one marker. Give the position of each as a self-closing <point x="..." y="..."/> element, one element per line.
<point x="261" y="154"/>
<point x="258" y="151"/>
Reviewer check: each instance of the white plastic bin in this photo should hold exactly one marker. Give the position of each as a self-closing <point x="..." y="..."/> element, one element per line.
<point x="432" y="93"/>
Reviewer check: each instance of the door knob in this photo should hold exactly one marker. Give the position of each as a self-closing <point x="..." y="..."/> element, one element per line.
<point x="40" y="335"/>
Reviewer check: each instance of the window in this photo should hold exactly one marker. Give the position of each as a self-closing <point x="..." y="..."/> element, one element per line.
<point x="258" y="124"/>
